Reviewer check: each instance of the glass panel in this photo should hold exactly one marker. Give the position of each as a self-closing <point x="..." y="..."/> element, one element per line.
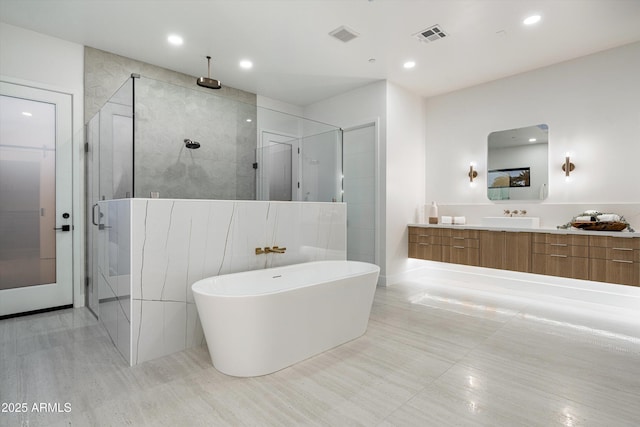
<point x="359" y="192"/>
<point x="27" y="193"/>
<point x="116" y="145"/>
<point x="321" y="165"/>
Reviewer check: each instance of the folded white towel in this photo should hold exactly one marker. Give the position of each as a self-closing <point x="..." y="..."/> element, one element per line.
<point x="446" y="220"/>
<point x="459" y="220"/>
<point x="584" y="218"/>
<point x="608" y="218"/>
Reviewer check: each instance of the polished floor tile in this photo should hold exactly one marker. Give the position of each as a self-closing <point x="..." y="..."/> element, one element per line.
<point x="438" y="352"/>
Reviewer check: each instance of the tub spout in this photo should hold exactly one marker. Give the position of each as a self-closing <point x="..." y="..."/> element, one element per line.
<point x="275" y="250"/>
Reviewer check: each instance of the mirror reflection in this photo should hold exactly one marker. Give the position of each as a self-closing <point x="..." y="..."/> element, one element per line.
<point x="517" y="165"/>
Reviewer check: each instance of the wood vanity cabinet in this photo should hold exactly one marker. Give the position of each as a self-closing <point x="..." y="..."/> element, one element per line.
<point x="505" y="250"/>
<point x="461" y="246"/>
<point x="425" y="243"/>
<point x="608" y="259"/>
<point x="614" y="260"/>
<point x="563" y="255"/>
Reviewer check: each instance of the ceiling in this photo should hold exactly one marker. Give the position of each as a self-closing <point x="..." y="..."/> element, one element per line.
<point x="296" y="61"/>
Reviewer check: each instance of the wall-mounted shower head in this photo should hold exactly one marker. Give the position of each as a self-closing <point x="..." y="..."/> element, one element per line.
<point x="208" y="82"/>
<point x="191" y="144"/>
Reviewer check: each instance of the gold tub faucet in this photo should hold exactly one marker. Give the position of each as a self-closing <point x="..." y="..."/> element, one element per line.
<point x="267" y="250"/>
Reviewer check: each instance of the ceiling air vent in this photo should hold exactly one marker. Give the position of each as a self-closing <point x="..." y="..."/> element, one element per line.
<point x="344" y="34"/>
<point x="431" y="34"/>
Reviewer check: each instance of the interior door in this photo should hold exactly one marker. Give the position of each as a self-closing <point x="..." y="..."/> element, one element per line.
<point x="278" y="167"/>
<point x="36" y="219"/>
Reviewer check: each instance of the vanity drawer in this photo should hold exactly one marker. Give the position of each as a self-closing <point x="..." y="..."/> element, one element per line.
<point x="561" y="249"/>
<point x="465" y="234"/>
<point x="425" y="251"/>
<point x="561" y="239"/>
<point x="560" y="265"/>
<point x="615" y="271"/>
<point x="459" y="254"/>
<point x="461" y="241"/>
<point x="425" y="238"/>
<point x="615" y="242"/>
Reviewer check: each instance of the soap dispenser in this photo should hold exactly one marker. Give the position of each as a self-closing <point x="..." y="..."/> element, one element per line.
<point x="433" y="213"/>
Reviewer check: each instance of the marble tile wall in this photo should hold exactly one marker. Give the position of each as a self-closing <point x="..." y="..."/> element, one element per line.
<point x="174" y="243"/>
<point x="221" y="169"/>
<point x="170" y="107"/>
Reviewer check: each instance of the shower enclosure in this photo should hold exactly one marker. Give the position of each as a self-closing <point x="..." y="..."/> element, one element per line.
<point x="137" y="148"/>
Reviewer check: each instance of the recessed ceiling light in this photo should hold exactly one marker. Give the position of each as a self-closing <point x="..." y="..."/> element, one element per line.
<point x="532" y="20"/>
<point x="26" y="113"/>
<point x="532" y="140"/>
<point x="409" y="64"/>
<point x="246" y="64"/>
<point x="175" y="40"/>
<point x="249" y="120"/>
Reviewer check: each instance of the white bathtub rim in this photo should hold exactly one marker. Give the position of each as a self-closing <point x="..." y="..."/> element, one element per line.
<point x="202" y="283"/>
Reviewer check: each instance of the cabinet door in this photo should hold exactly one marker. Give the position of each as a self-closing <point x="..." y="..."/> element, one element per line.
<point x="460" y="254"/>
<point x="492" y="249"/>
<point x="429" y="251"/>
<point x="622" y="272"/>
<point x="517" y="256"/>
<point x="566" y="266"/>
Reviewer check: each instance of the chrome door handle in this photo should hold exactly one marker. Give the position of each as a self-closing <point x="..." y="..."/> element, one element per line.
<point x="93" y="217"/>
<point x="93" y="214"/>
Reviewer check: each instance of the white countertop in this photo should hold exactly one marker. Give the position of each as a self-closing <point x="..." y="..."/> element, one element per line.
<point x="533" y="230"/>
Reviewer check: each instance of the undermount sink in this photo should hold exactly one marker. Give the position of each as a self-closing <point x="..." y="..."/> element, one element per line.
<point x="511" y="221"/>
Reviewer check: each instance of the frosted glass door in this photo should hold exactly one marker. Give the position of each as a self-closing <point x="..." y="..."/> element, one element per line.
<point x="35" y="205"/>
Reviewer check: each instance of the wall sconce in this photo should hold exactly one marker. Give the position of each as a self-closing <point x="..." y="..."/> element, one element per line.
<point x="567" y="167"/>
<point x="472" y="173"/>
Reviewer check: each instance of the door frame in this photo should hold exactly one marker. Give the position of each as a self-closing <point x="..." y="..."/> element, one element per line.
<point x="64" y="135"/>
<point x="295" y="162"/>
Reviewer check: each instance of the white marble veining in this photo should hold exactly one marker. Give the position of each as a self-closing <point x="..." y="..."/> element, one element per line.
<point x="174" y="243"/>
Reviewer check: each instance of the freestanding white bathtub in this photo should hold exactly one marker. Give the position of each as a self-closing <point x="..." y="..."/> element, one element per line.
<point x="258" y="322"/>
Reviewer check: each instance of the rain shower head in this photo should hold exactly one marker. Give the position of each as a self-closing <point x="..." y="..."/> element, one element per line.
<point x="191" y="144"/>
<point x="208" y="82"/>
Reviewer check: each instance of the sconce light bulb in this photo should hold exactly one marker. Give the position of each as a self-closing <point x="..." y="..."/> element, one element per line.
<point x="472" y="172"/>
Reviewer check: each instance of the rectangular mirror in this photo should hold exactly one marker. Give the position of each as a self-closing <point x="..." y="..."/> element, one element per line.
<point x="517" y="164"/>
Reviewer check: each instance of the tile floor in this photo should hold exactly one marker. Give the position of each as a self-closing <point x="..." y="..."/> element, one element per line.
<point x="434" y="355"/>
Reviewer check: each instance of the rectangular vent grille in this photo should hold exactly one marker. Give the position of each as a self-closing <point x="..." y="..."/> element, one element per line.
<point x="344" y="34"/>
<point x="431" y="34"/>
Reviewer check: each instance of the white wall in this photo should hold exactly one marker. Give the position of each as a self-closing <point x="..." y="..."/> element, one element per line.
<point x="45" y="62"/>
<point x="405" y="178"/>
<point x="592" y="107"/>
